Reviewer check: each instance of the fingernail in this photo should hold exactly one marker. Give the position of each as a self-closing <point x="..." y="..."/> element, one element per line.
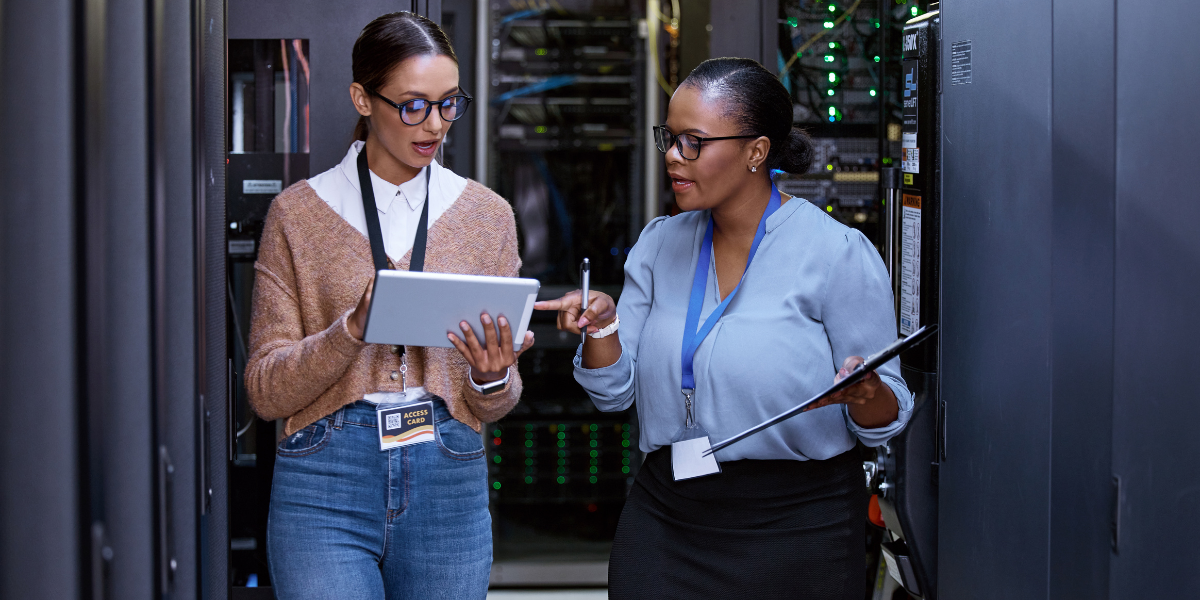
<point x="843" y="372"/>
<point x="487" y="320"/>
<point x="463" y="326"/>
<point x="503" y="322"/>
<point x="450" y="336"/>
<point x="583" y="322"/>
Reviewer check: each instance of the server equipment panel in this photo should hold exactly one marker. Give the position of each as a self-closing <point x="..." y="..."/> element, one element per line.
<point x="840" y="62"/>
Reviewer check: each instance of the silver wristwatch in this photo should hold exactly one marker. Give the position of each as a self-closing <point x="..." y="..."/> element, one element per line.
<point x="490" y="387"/>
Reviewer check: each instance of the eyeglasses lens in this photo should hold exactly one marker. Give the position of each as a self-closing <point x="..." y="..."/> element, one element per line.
<point x="453" y="108"/>
<point x="414" y="111"/>
<point x="689" y="146"/>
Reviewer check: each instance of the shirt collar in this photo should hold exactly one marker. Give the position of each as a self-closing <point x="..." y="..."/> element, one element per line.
<point x="412" y="190"/>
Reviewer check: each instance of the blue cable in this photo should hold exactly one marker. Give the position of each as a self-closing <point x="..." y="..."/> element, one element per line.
<point x="521" y="15"/>
<point x="549" y="83"/>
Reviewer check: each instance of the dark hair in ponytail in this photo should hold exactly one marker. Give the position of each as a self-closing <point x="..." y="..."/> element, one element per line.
<point x="388" y="41"/>
<point x="756" y="99"/>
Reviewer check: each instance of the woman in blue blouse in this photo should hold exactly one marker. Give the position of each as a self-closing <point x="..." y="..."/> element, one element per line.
<point x="776" y="300"/>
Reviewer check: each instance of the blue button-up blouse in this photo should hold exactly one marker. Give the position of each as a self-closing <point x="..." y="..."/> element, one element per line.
<point x="816" y="293"/>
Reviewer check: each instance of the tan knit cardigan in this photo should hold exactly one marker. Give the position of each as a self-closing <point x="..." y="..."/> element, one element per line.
<point x="311" y="271"/>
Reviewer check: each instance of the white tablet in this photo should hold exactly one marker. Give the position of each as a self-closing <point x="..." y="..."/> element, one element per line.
<point x="419" y="309"/>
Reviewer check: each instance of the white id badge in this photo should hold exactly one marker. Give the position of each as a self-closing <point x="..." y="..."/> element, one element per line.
<point x="688" y="461"/>
<point x="687" y="454"/>
<point x="405" y="425"/>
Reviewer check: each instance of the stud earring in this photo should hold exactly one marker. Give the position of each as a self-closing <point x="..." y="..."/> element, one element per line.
<point x="753" y="169"/>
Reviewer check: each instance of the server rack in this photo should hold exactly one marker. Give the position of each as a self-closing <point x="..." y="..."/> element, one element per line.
<point x="564" y="107"/>
<point x="839" y="61"/>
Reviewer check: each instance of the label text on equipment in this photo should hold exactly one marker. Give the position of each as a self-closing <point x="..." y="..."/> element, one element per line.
<point x="910" y="264"/>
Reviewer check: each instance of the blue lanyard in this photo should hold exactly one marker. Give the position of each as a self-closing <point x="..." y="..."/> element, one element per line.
<point x="691" y="337"/>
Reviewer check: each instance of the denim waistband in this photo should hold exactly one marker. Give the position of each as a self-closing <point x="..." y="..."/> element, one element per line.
<point x="361" y="412"/>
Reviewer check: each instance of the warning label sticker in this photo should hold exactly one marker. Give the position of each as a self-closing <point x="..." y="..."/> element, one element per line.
<point x="910" y="160"/>
<point x="910" y="264"/>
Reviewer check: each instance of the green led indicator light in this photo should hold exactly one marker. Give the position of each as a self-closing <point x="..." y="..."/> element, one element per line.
<point x="497" y="433"/>
<point x="562" y="444"/>
<point x="830" y="92"/>
<point x="828" y="209"/>
<point x="876" y="59"/>
<point x="562" y="435"/>
<point x="594" y="443"/>
<point x="595" y="453"/>
<point x="914" y="11"/>
<point x="540" y="52"/>
<point x="625" y="470"/>
<point x="625" y="443"/>
<point x="625" y="461"/>
<point x="540" y="129"/>
<point x="592" y="470"/>
<point x="832" y="112"/>
<point x="528" y="443"/>
<point x="529" y="427"/>
<point x="529" y="462"/>
<point x="793" y="21"/>
<point x="872" y="93"/>
<point x="828" y="24"/>
<point x="828" y="58"/>
<point x="832" y="45"/>
<point x="594" y="427"/>
<point x="829" y="167"/>
<point x="496" y="459"/>
<point x="496" y="485"/>
<point x="562" y="453"/>
<point x="592" y="479"/>
<point x="528" y="479"/>
<point x="833" y="78"/>
<point x="561" y="479"/>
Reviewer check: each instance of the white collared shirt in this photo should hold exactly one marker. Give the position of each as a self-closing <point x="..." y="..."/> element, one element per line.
<point x="399" y="206"/>
<point x="399" y="209"/>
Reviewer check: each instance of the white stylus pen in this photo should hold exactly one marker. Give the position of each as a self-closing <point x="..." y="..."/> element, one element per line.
<point x="585" y="273"/>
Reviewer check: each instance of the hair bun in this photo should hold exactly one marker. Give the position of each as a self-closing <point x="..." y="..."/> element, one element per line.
<point x="796" y="155"/>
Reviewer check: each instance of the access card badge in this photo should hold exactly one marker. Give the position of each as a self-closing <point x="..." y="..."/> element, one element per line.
<point x="405" y="425"/>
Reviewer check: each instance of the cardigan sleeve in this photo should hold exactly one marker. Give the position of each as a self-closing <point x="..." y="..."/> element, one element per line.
<point x="287" y="370"/>
<point x="489" y="408"/>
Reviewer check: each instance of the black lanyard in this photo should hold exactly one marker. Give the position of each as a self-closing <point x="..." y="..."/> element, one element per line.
<point x="417" y="263"/>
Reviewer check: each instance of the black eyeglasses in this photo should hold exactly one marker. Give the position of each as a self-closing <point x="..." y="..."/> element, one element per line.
<point x="415" y="111"/>
<point x="688" y="144"/>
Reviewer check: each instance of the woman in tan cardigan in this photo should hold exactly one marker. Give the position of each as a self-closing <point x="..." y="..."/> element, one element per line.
<point x="353" y="516"/>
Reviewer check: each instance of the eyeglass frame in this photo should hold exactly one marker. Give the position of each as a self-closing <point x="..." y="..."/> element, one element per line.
<point x="699" y="139"/>
<point x="428" y="109"/>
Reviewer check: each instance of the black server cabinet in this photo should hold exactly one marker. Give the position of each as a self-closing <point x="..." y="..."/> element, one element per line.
<point x="908" y="497"/>
<point x="564" y="146"/>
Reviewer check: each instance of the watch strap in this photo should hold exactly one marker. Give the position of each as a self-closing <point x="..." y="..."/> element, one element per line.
<point x="490" y="387"/>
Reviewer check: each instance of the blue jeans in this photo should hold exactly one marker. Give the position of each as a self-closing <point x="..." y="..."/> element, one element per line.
<point x="350" y="521"/>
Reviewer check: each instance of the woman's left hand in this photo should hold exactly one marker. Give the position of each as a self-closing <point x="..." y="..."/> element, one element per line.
<point x="872" y="403"/>
<point x="491" y="360"/>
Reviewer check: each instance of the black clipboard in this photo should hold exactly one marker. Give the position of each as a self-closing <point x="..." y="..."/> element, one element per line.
<point x="873" y="362"/>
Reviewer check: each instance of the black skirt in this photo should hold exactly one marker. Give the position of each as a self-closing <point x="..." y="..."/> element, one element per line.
<point x="759" y="529"/>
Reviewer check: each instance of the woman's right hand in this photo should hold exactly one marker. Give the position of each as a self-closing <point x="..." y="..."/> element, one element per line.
<point x="357" y="321"/>
<point x="601" y="311"/>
